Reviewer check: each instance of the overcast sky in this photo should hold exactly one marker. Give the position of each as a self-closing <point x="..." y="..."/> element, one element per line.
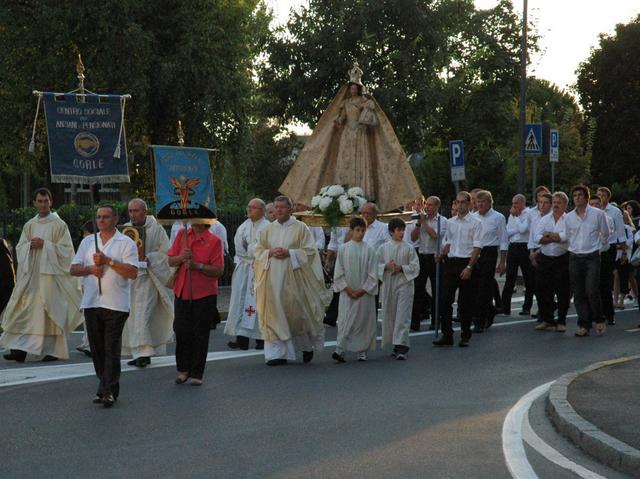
<point x="569" y="29"/>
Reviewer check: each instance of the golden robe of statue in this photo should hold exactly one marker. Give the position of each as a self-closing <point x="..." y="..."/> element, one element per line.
<point x="353" y="144"/>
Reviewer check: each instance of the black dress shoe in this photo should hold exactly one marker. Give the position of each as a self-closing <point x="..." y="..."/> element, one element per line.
<point x="48" y="359"/>
<point x="307" y="356"/>
<point x="86" y="352"/>
<point x="16" y="355"/>
<point x="443" y="341"/>
<point x="478" y="329"/>
<point x="108" y="400"/>
<point x="415" y="327"/>
<point x="133" y="362"/>
<point x="235" y="345"/>
<point x="259" y="344"/>
<point x="464" y="343"/>
<point x="338" y="357"/>
<point x="524" y="312"/>
<point x="143" y="361"/>
<point x="276" y="362"/>
<point x="611" y="322"/>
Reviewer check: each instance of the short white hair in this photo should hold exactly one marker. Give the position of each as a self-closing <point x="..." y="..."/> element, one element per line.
<point x="139" y="200"/>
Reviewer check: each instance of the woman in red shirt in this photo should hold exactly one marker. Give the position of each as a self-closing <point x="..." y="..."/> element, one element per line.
<point x="200" y="262"/>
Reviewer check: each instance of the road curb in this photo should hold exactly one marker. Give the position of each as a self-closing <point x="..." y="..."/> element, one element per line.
<point x="607" y="449"/>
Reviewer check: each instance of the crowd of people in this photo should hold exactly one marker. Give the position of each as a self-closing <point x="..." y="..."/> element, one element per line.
<point x="135" y="298"/>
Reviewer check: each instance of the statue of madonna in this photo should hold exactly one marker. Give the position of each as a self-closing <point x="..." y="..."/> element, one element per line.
<point x="353" y="144"/>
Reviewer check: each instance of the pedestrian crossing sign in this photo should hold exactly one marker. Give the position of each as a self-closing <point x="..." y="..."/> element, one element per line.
<point x="533" y="139"/>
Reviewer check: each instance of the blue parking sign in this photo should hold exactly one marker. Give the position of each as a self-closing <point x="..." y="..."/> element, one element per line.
<point x="554" y="146"/>
<point x="456" y="159"/>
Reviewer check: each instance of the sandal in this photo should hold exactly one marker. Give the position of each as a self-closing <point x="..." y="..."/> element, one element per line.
<point x="182" y="378"/>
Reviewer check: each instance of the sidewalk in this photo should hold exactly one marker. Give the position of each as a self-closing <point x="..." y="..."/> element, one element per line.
<point x="599" y="410"/>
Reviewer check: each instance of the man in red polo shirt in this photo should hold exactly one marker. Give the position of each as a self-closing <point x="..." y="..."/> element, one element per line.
<point x="200" y="262"/>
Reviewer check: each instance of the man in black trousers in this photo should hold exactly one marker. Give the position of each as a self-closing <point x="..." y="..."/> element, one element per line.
<point x="518" y="255"/>
<point x="462" y="244"/>
<point x="494" y="244"/>
<point x="106" y="298"/>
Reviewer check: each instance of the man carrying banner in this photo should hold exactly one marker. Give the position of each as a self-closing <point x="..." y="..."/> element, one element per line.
<point x="290" y="291"/>
<point x="44" y="306"/>
<point x="149" y="327"/>
<point x="242" y="319"/>
<point x="107" y="270"/>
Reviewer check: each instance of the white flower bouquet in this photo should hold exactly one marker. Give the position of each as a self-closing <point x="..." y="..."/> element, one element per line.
<point x="335" y="201"/>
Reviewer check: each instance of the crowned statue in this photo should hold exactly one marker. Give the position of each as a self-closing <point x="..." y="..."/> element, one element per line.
<point x="353" y="144"/>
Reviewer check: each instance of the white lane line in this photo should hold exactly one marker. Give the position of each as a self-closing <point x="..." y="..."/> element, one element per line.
<point x="552" y="454"/>
<point x="512" y="446"/>
<point x="516" y="429"/>
<point x="38" y="374"/>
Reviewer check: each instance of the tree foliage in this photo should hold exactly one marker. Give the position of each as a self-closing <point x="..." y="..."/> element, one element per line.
<point x="441" y="70"/>
<point x="179" y="59"/>
<point x="609" y="93"/>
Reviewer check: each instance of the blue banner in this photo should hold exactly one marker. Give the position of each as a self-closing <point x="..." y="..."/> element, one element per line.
<point x="184" y="187"/>
<point x="86" y="138"/>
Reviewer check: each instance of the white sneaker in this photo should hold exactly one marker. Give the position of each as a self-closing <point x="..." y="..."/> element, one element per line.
<point x="362" y="356"/>
<point x="401" y="356"/>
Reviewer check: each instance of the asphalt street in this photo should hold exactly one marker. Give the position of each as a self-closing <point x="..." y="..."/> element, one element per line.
<point x="438" y="415"/>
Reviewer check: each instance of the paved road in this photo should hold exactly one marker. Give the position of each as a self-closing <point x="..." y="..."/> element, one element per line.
<point x="438" y="415"/>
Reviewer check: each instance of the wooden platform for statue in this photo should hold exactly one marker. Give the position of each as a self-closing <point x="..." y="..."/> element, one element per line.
<point x="316" y="219"/>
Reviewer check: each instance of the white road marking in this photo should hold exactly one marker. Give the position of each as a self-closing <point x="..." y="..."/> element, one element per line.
<point x="38" y="374"/>
<point x="516" y="429"/>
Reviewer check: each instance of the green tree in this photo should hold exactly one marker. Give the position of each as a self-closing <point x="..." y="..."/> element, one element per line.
<point x="189" y="59"/>
<point x="441" y="70"/>
<point x="609" y="93"/>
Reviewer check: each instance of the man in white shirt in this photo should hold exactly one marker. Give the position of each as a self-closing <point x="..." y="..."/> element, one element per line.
<point x="420" y="297"/>
<point x="462" y="244"/>
<point x="106" y="305"/>
<point x="427" y="234"/>
<point x="543" y="201"/>
<point x="608" y="258"/>
<point x="518" y="256"/>
<point x="377" y="232"/>
<point x="587" y="230"/>
<point x="494" y="242"/>
<point x="553" y="266"/>
<point x="339" y="236"/>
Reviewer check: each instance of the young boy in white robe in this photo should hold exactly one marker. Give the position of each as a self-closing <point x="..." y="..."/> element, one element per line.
<point x="398" y="266"/>
<point x="356" y="279"/>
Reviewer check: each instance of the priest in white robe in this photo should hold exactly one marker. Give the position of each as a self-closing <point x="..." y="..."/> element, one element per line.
<point x="291" y="295"/>
<point x="356" y="279"/>
<point x="45" y="304"/>
<point x="242" y="320"/>
<point x="149" y="327"/>
<point x="398" y="266"/>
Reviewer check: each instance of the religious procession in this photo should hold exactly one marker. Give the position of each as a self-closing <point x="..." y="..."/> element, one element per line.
<point x="352" y="243"/>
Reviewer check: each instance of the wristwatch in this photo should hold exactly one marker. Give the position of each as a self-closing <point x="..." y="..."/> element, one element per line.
<point x="111" y="262"/>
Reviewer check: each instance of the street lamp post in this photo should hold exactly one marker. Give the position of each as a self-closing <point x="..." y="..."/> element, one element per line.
<point x="523" y="99"/>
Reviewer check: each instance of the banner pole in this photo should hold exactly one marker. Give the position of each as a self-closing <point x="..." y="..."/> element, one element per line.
<point x="436" y="310"/>
<point x="81" y="77"/>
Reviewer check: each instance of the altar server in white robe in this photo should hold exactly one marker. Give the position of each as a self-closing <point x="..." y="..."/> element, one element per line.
<point x="150" y="325"/>
<point x="242" y="321"/>
<point x="356" y="279"/>
<point x="290" y="293"/>
<point x="45" y="304"/>
<point x="398" y="266"/>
